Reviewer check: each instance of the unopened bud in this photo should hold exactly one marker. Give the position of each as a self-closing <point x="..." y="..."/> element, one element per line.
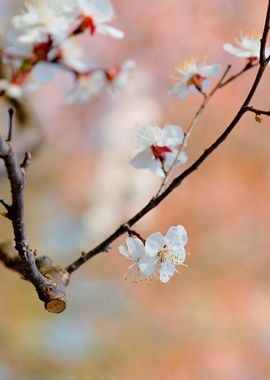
<point x="258" y="118"/>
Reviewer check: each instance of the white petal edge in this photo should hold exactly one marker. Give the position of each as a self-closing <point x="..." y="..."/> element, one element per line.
<point x="172" y="135"/>
<point x="176" y="235"/>
<point x="166" y="271"/>
<point x="135" y="247"/>
<point x="142" y="159"/>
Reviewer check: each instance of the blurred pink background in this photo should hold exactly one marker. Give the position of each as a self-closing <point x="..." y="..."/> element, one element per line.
<point x="210" y="322"/>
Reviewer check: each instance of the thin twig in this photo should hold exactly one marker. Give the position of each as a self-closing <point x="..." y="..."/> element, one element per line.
<point x="134" y="233"/>
<point x="199" y="113"/>
<point x="247" y="67"/>
<point x="257" y="111"/>
<point x="190" y="128"/>
<point x="263" y="59"/>
<point x="154" y="202"/>
<point x="10" y="127"/>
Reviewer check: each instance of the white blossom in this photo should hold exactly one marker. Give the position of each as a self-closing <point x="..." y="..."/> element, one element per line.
<point x="71" y="55"/>
<point x="87" y="87"/>
<point x="135" y="251"/>
<point x="158" y="148"/>
<point x="118" y="77"/>
<point x="90" y="85"/>
<point x="167" y="250"/>
<point x="67" y="56"/>
<point x="158" y="255"/>
<point x="14" y="48"/>
<point x="42" y="18"/>
<point x="14" y="90"/>
<point x="194" y="77"/>
<point x="93" y="15"/>
<point x="247" y="46"/>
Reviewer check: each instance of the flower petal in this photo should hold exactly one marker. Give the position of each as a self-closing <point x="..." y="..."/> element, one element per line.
<point x="176" y="235"/>
<point x="166" y="271"/>
<point x="181" y="89"/>
<point x="147" y="136"/>
<point x="156" y="168"/>
<point x="210" y="70"/>
<point x="135" y="247"/>
<point x="154" y="244"/>
<point x="170" y="158"/>
<point x="177" y="255"/>
<point x="106" y="30"/>
<point x="205" y="85"/>
<point x="147" y="266"/>
<point x="172" y="135"/>
<point x="142" y="159"/>
<point x="123" y="251"/>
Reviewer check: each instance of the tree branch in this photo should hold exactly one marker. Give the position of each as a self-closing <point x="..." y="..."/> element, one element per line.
<point x="191" y="126"/>
<point x="257" y="111"/>
<point x="50" y="282"/>
<point x="154" y="202"/>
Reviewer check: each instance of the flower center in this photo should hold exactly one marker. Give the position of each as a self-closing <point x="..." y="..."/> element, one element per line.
<point x="87" y="22"/>
<point x="18" y="79"/>
<point x="159" y="152"/>
<point x="185" y="67"/>
<point x="112" y="73"/>
<point x="166" y="254"/>
<point x="196" y="80"/>
<point x="163" y="255"/>
<point x="41" y="50"/>
<point x="252" y="60"/>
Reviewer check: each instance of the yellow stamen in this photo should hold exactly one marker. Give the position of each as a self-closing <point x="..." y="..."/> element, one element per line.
<point x="184" y="265"/>
<point x="184" y="67"/>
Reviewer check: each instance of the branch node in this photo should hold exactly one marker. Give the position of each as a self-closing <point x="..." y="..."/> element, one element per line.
<point x="8" y="208"/>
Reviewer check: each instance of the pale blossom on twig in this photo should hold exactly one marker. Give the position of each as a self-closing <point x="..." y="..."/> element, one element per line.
<point x="135" y="251"/>
<point x="247" y="46"/>
<point x="16" y="90"/>
<point x="158" y="255"/>
<point x="158" y="148"/>
<point x="118" y="76"/>
<point x="167" y="250"/>
<point x="67" y="56"/>
<point x="15" y="51"/>
<point x="87" y="86"/>
<point x="194" y="77"/>
<point x="42" y="18"/>
<point x="93" y="15"/>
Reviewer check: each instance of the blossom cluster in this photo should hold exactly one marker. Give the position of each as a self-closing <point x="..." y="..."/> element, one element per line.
<point x="158" y="255"/>
<point x="161" y="149"/>
<point x="43" y="39"/>
<point x="195" y="77"/>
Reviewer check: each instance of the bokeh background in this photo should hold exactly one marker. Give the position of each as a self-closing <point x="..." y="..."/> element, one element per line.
<point x="212" y="320"/>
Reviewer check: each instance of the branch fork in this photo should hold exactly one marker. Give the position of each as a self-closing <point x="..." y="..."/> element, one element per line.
<point x="50" y="281"/>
